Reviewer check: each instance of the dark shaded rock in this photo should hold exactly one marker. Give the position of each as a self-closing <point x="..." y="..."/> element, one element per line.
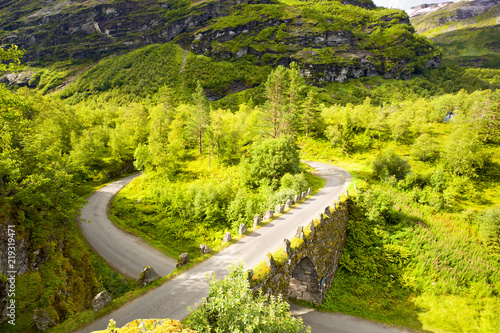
<point x="328" y="212"/>
<point x="42" y="320"/>
<point x="148" y="275"/>
<point x="182" y="260"/>
<point x="204" y="249"/>
<point x="101" y="300"/>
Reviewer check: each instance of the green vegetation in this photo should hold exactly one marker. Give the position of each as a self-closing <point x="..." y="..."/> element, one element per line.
<point x="422" y="229"/>
<point x="231" y="307"/>
<point x="216" y="135"/>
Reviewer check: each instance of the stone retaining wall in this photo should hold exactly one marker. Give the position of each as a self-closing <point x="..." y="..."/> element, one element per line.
<point x="306" y="269"/>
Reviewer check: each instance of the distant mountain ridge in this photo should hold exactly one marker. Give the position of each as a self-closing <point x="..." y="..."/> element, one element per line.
<point x="468" y="31"/>
<point x="424" y="9"/>
<point x="446" y="12"/>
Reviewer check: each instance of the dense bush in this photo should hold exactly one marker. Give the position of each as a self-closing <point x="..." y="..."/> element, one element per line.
<point x="231" y="307"/>
<point x="388" y="164"/>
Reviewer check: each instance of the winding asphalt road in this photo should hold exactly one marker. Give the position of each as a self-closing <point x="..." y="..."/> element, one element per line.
<point x="130" y="254"/>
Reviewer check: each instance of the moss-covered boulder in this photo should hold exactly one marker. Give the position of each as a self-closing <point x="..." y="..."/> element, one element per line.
<point x="148" y="326"/>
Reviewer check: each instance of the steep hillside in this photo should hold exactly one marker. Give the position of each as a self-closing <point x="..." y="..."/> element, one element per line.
<point x="331" y="40"/>
<point x="467" y="31"/>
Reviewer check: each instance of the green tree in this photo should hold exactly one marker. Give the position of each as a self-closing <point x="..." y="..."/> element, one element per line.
<point x="10" y="59"/>
<point x="281" y="112"/>
<point x="231" y="307"/>
<point x="462" y="154"/>
<point x="200" y="119"/>
<point x="425" y="148"/>
<point x="311" y="113"/>
<point x="273" y="158"/>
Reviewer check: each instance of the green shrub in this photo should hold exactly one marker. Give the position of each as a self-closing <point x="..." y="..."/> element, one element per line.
<point x="489" y="227"/>
<point x="389" y="164"/>
<point x="231" y="307"/>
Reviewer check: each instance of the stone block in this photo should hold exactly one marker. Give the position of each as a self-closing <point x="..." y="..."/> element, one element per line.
<point x="286" y="246"/>
<point x="279" y="209"/>
<point x="309" y="191"/>
<point x="148" y="275"/>
<point x="328" y="211"/>
<point x="242" y="229"/>
<point x="270" y="262"/>
<point x="227" y="237"/>
<point x="303" y="196"/>
<point x="256" y="220"/>
<point x="204" y="249"/>
<point x="296" y="294"/>
<point x="268" y="215"/>
<point x="300" y="233"/>
<point x="298" y="287"/>
<point x="296" y="199"/>
<point x="288" y="204"/>
<point x="101" y="300"/>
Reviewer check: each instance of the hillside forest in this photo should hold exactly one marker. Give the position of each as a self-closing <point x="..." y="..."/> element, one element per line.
<point x="424" y="231"/>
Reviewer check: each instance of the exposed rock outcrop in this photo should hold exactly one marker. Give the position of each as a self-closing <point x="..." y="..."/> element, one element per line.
<point x="326" y="51"/>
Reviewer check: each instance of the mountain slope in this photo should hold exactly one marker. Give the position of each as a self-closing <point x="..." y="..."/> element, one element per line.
<point x="331" y="40"/>
<point x="467" y="31"/>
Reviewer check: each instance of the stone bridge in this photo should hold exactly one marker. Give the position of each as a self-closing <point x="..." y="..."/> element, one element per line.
<point x="305" y="267"/>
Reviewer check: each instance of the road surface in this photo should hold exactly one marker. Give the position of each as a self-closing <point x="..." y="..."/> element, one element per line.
<point x="127" y="253"/>
<point x="172" y="299"/>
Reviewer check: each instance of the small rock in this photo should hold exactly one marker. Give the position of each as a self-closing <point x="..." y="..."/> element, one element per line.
<point x="268" y="215"/>
<point x="286" y="246"/>
<point x="270" y="262"/>
<point x="204" y="249"/>
<point x="300" y="233"/>
<point x="256" y="220"/>
<point x="148" y="275"/>
<point x="296" y="199"/>
<point x="242" y="229"/>
<point x="227" y="237"/>
<point x="303" y="195"/>
<point x="279" y="209"/>
<point x="288" y="204"/>
<point x="328" y="211"/>
<point x="309" y="191"/>
<point x="101" y="300"/>
<point x="182" y="260"/>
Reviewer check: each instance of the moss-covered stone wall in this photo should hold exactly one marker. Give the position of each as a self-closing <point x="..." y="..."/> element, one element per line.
<point x="305" y="267"/>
